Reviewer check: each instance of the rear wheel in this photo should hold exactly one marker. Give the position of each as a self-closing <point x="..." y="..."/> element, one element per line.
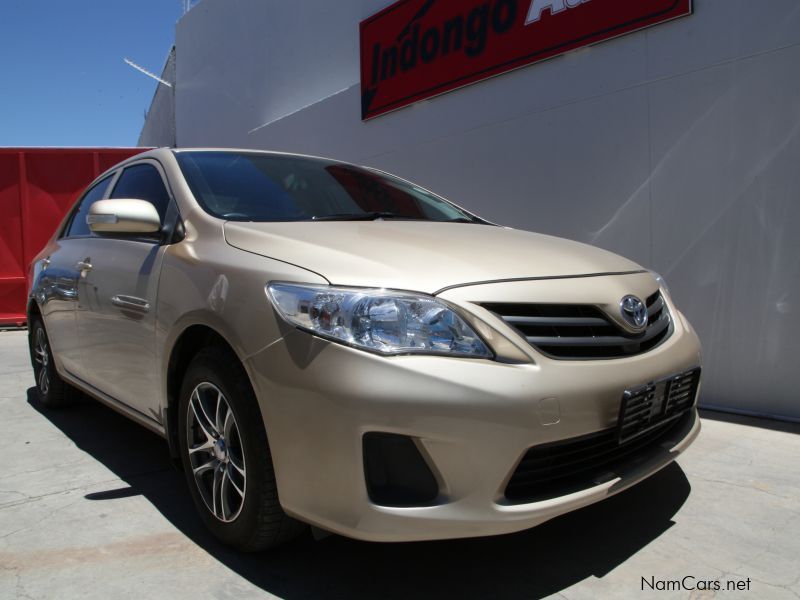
<point x="53" y="391"/>
<point x="226" y="455"/>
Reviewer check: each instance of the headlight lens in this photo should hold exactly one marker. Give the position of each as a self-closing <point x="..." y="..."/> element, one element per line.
<point x="379" y="320"/>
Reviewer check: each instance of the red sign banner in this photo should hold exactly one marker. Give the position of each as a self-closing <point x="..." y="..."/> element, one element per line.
<point x="416" y="49"/>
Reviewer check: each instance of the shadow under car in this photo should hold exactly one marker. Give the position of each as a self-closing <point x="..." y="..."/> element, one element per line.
<point x="531" y="564"/>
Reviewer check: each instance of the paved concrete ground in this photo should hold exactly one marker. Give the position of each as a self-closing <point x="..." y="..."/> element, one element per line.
<point x="90" y="508"/>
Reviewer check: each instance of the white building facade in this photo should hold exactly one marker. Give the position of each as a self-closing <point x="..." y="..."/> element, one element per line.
<point x="676" y="146"/>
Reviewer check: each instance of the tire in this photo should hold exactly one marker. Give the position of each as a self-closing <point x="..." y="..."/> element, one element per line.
<point x="53" y="391"/>
<point x="234" y="490"/>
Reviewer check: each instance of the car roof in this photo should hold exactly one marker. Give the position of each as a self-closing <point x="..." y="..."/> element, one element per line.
<point x="157" y="153"/>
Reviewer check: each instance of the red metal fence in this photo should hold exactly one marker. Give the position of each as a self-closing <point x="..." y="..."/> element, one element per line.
<point x="37" y="186"/>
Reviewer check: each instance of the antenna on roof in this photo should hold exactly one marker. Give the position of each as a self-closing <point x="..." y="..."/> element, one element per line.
<point x="128" y="61"/>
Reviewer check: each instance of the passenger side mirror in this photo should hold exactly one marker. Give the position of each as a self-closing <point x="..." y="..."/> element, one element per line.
<point x="123" y="216"/>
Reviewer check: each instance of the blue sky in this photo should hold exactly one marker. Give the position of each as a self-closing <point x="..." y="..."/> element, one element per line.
<point x="63" y="81"/>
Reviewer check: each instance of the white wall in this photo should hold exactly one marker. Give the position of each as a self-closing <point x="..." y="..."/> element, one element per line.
<point x="159" y="124"/>
<point x="676" y="146"/>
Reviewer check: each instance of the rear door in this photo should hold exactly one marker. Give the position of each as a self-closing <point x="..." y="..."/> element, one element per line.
<point x="116" y="313"/>
<point x="58" y="285"/>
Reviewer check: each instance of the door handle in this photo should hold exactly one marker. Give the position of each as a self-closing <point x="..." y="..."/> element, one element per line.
<point x="84" y="265"/>
<point x="132" y="302"/>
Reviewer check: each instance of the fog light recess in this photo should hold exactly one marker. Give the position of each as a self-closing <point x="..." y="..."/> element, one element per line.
<point x="395" y="471"/>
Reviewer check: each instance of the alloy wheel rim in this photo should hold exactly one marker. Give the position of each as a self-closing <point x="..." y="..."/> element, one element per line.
<point x="42" y="358"/>
<point x="215" y="452"/>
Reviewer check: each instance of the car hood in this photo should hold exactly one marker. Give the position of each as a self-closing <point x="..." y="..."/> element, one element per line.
<point x="422" y="256"/>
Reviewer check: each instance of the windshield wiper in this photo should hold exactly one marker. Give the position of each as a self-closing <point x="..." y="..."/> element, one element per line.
<point x="367" y="216"/>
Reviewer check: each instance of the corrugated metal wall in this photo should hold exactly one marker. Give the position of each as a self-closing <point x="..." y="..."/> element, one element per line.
<point x="37" y="187"/>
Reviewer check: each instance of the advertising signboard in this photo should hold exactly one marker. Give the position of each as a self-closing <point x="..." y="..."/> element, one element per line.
<point x="416" y="49"/>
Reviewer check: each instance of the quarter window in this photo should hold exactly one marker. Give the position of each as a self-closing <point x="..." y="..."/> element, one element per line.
<point x="143" y="182"/>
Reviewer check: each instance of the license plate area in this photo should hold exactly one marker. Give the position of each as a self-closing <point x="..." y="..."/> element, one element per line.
<point x="653" y="404"/>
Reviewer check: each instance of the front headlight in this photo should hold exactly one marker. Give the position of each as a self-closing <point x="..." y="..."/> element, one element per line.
<point x="379" y="320"/>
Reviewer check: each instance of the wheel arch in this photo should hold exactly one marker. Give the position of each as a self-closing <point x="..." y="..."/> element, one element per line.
<point x="188" y="344"/>
<point x="32" y="309"/>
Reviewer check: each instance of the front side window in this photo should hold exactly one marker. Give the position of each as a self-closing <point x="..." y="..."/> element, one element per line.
<point x="143" y="182"/>
<point x="77" y="225"/>
<point x="243" y="186"/>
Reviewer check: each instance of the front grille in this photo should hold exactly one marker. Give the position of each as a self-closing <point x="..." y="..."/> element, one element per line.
<point x="551" y="470"/>
<point x="582" y="331"/>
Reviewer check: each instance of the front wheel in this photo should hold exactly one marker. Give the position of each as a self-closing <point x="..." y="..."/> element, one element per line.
<point x="226" y="455"/>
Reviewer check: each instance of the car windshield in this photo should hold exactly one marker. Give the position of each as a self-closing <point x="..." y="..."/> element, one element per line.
<point x="244" y="186"/>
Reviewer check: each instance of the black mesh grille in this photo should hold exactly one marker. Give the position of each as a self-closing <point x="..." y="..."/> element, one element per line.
<point x="579" y="331"/>
<point x="552" y="470"/>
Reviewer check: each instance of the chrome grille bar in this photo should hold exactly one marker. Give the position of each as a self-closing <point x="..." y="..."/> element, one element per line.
<point x="557" y="321"/>
<point x="653" y="331"/>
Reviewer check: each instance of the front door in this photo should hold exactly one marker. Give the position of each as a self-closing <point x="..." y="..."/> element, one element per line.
<point x="116" y="320"/>
<point x="116" y="313"/>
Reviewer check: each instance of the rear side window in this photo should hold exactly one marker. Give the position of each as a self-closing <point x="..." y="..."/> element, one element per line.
<point x="143" y="182"/>
<point x="77" y="225"/>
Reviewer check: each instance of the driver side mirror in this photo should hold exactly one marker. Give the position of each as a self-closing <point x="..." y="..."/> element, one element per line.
<point x="123" y="216"/>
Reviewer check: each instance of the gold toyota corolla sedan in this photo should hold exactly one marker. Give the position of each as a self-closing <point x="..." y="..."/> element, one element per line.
<point x="327" y="344"/>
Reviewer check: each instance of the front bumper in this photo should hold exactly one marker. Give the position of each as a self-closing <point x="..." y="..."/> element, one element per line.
<point x="473" y="421"/>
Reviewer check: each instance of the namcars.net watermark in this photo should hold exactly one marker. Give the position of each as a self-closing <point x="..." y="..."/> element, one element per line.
<point x="690" y="583"/>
